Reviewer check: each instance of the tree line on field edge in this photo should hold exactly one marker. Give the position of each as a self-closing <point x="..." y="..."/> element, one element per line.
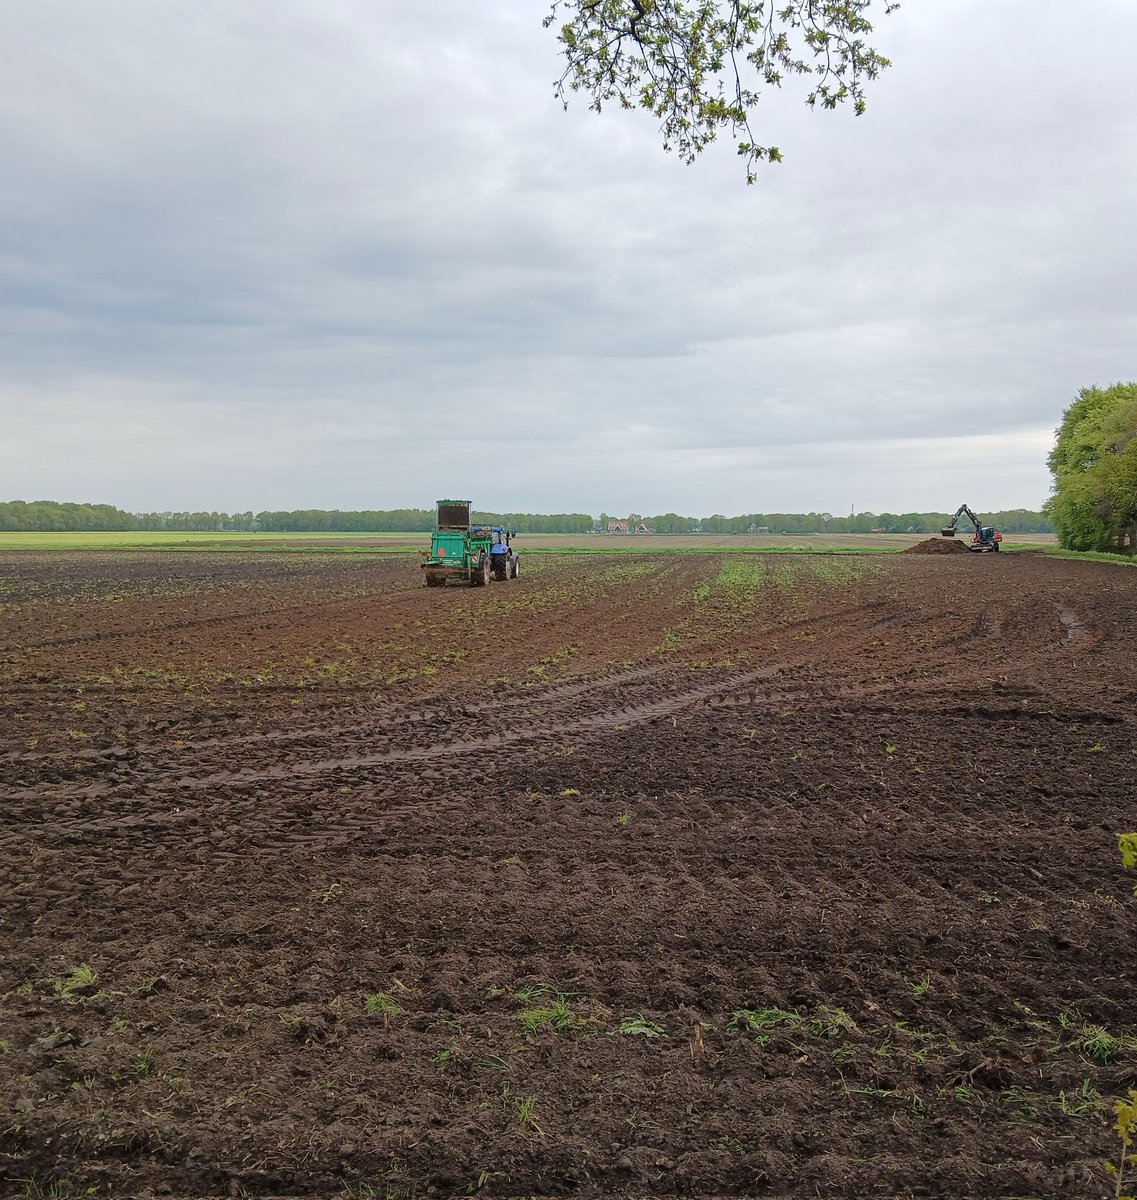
<point x="46" y="516"/>
<point x="1094" y="464"/>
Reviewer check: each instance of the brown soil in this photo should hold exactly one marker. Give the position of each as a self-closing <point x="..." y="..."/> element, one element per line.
<point x="938" y="545"/>
<point x="653" y="875"/>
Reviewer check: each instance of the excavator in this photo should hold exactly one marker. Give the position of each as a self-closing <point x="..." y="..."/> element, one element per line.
<point x="985" y="537"/>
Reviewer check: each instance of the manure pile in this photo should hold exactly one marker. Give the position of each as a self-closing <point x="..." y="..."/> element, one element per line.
<point x="938" y="545"/>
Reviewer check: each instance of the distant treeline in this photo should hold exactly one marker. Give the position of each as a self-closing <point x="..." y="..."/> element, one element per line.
<point x="414" y="520"/>
<point x="44" y="516"/>
<point x="1015" y="520"/>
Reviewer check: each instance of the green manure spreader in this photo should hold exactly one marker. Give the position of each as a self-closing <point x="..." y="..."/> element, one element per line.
<point x="461" y="552"/>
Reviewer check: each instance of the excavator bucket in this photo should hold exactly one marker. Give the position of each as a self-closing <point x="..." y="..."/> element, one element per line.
<point x="948" y="531"/>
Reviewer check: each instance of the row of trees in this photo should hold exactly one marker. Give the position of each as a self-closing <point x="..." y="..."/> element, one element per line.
<point x="48" y="515"/>
<point x="1018" y="520"/>
<point x="1094" y="464"/>
<point x="413" y="520"/>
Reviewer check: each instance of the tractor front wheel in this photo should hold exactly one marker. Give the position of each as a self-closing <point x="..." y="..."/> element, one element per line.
<point x="514" y="567"/>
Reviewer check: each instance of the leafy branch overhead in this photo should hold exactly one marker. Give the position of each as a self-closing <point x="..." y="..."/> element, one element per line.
<point x="700" y="67"/>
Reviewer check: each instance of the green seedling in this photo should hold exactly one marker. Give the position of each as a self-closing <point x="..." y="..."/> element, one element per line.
<point x="384" y="1005"/>
<point x="1023" y="1101"/>
<point x="80" y="978"/>
<point x="492" y="1063"/>
<point x="639" y="1026"/>
<point x="557" y="1017"/>
<point x="831" y="1023"/>
<point x="754" y="1020"/>
<point x="526" y="1114"/>
<point x="143" y="1063"/>
<point x="1080" y="1103"/>
<point x="1102" y="1046"/>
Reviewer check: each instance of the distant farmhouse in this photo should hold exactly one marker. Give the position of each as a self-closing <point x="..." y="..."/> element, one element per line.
<point x="624" y="527"/>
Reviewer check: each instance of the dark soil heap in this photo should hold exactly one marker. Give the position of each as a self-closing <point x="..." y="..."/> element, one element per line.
<point x="938" y="545"/>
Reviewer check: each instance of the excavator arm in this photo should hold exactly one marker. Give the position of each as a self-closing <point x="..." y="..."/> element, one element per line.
<point x="961" y="511"/>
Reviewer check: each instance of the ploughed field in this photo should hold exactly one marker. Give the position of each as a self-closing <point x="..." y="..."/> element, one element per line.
<point x="657" y="875"/>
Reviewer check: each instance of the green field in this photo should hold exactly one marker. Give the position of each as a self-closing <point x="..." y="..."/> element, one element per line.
<point x="167" y="540"/>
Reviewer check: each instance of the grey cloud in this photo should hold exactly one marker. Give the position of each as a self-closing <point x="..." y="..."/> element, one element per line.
<point x="322" y="236"/>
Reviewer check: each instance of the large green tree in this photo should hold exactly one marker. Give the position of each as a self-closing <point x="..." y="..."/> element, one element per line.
<point x="1094" y="463"/>
<point x="700" y="65"/>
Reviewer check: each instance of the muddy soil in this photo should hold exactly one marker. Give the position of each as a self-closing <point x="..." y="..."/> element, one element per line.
<point x="648" y="876"/>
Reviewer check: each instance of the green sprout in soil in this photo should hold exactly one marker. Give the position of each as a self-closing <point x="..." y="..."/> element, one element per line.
<point x="384" y="1005"/>
<point x="1080" y="1103"/>
<point x="755" y="1020"/>
<point x="493" y="1063"/>
<point x="1102" y="1046"/>
<point x="557" y="1017"/>
<point x="640" y="1026"/>
<point x="62" y="1188"/>
<point x="831" y="1023"/>
<point x="143" y="1063"/>
<point x="526" y="1117"/>
<point x="964" y="1095"/>
<point x="79" y="979"/>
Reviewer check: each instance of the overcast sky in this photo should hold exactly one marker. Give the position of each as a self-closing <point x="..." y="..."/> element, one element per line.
<point x="347" y="254"/>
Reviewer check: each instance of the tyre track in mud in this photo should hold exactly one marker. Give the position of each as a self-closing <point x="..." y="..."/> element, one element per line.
<point x="530" y="730"/>
<point x="533" y="721"/>
<point x="535" y="715"/>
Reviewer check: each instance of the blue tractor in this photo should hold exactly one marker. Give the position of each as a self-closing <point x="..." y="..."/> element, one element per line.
<point x="505" y="563"/>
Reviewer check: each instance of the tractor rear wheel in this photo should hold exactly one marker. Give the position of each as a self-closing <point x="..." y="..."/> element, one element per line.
<point x="514" y="567"/>
<point x="501" y="568"/>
